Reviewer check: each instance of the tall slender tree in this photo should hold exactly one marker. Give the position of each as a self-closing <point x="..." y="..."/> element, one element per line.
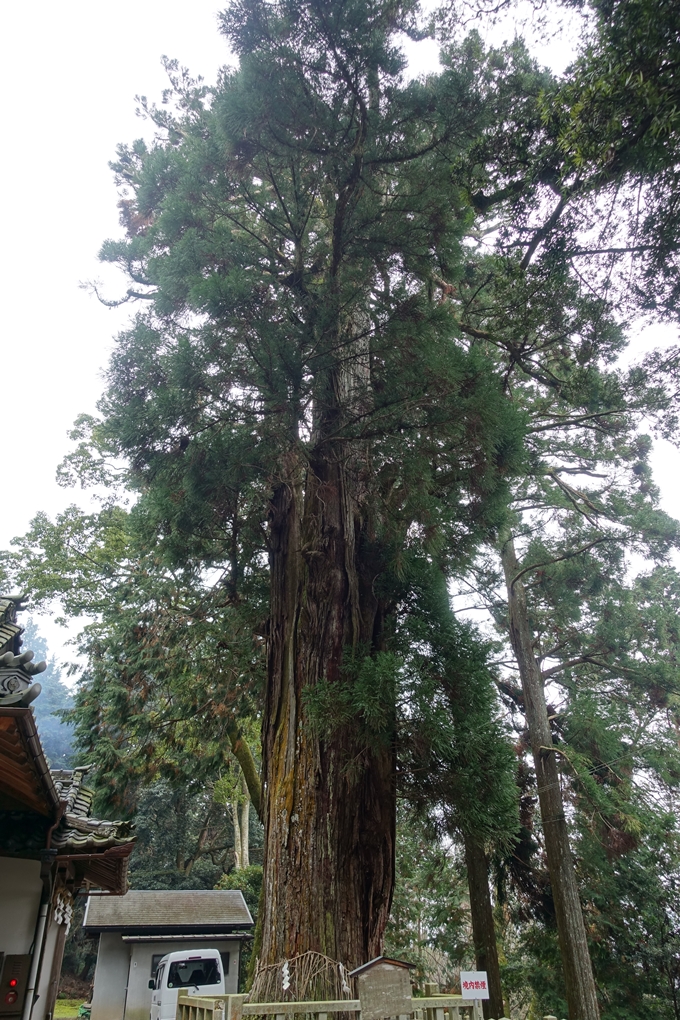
<point x="543" y="303"/>
<point x="583" y="421"/>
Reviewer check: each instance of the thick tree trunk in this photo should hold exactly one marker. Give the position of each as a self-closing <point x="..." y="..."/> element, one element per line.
<point x="483" y="928"/>
<point x="329" y="802"/>
<point x="578" y="971"/>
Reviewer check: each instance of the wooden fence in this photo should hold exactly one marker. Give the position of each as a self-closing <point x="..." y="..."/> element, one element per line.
<point x="234" y="1007"/>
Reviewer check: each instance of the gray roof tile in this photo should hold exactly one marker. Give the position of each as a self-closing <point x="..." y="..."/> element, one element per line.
<point x="171" y="910"/>
<point x="77" y="832"/>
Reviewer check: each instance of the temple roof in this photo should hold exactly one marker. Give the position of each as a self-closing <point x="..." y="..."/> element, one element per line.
<point x="43" y="809"/>
<point x="25" y="779"/>
<point x="77" y="832"/>
<point x="35" y="800"/>
<point x="9" y="628"/>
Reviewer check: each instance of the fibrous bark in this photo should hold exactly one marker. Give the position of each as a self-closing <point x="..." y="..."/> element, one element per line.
<point x="329" y="800"/>
<point x="329" y="797"/>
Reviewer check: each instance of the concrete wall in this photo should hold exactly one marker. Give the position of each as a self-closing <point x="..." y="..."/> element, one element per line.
<point x="20" y="890"/>
<point x="138" y="1005"/>
<point x="110" y="977"/>
<point x="121" y="979"/>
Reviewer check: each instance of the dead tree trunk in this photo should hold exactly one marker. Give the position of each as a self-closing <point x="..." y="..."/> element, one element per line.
<point x="483" y="928"/>
<point x="238" y="842"/>
<point x="578" y="971"/>
<point x="245" y="826"/>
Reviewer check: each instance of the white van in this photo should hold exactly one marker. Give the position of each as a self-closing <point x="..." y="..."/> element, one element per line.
<point x="199" y="972"/>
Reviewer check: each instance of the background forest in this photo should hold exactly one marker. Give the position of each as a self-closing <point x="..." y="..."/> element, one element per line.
<point x="379" y="369"/>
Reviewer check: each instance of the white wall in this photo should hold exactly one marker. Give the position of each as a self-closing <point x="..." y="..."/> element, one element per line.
<point x="138" y="1003"/>
<point x="20" y="890"/>
<point x="121" y="978"/>
<point x="110" y="977"/>
<point x="46" y="968"/>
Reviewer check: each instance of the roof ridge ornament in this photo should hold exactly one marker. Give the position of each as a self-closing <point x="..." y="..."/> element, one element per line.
<point x="17" y="669"/>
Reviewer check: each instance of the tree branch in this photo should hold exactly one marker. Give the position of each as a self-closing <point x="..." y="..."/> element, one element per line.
<point x="567" y="556"/>
<point x="578" y="661"/>
<point x="542" y="232"/>
<point x="244" y="757"/>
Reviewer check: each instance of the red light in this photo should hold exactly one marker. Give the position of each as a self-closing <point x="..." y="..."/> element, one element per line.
<point x="13" y="983"/>
<point x="11" y="997"/>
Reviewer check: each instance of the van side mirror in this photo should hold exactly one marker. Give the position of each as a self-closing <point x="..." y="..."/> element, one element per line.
<point x="152" y="983"/>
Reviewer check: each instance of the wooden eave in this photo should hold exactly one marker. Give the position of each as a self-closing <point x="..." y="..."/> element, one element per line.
<point x="106" y="870"/>
<point x="26" y="784"/>
<point x="25" y="780"/>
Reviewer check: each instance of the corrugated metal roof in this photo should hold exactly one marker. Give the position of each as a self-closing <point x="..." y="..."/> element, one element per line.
<point x="171" y="910"/>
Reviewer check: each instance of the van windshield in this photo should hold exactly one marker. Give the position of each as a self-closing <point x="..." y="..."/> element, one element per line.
<point x="184" y="973"/>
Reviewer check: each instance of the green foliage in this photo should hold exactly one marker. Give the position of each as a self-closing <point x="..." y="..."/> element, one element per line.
<point x="173" y="656"/>
<point x="608" y="649"/>
<point x="299" y="208"/>
<point x="185" y="838"/>
<point x="617" y="123"/>
<point x="429" y="922"/>
<point x="420" y="277"/>
<point x="80" y="951"/>
<point x="286" y="224"/>
<point x="630" y="884"/>
<point x="254" y="236"/>
<point x="364" y="696"/>
<point x="625" y="838"/>
<point x="455" y="749"/>
<point x="249" y="881"/>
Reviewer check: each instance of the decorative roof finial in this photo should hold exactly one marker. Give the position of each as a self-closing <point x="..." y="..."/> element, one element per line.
<point x="17" y="668"/>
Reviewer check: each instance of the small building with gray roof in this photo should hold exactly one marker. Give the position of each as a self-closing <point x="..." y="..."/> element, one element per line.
<point x="138" y="929"/>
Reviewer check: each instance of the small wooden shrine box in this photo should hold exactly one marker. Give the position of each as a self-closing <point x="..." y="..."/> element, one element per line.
<point x="384" y="988"/>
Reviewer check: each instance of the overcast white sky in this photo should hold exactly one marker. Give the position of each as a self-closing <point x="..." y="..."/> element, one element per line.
<point x="69" y="73"/>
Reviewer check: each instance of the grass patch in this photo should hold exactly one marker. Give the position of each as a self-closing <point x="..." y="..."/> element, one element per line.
<point x="66" y="1008"/>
